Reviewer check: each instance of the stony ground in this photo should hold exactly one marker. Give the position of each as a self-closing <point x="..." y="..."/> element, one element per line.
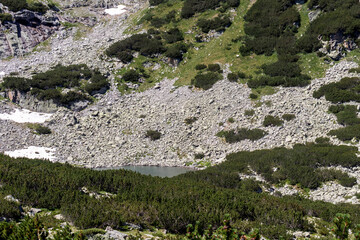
<point x="112" y="132"/>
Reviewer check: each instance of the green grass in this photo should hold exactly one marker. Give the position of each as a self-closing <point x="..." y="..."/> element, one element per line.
<point x="303" y="10"/>
<point x="263" y="91"/>
<point x="312" y="65"/>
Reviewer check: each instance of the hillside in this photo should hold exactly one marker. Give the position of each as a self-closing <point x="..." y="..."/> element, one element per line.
<point x="262" y="97"/>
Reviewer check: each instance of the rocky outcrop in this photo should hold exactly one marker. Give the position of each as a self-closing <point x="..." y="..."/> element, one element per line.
<point x="26" y="31"/>
<point x="337" y="46"/>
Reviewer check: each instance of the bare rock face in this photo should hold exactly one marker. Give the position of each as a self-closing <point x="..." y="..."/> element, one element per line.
<point x="26" y="31"/>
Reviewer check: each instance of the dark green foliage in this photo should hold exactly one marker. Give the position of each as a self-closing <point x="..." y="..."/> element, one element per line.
<point x="173" y="35"/>
<point x="176" y="51"/>
<point x="226" y="231"/>
<point x="5" y="17"/>
<point x="265" y="25"/>
<point x="131" y="76"/>
<point x="232" y="77"/>
<point x="39" y="129"/>
<point x="48" y="85"/>
<point x="156" y="2"/>
<point x="8" y="210"/>
<point x="347" y="133"/>
<point x="241" y="75"/>
<point x="343" y="16"/>
<point x="342" y="224"/>
<point x="249" y="112"/>
<point x="346" y="114"/>
<point x="38" y="7"/>
<point x="16" y="83"/>
<point x="153" y="134"/>
<point x="288" y="117"/>
<point x="326" y="175"/>
<point x="339" y="92"/>
<point x="218" y="24"/>
<point x="97" y="83"/>
<point x="253" y="96"/>
<point x="214" y="67"/>
<point x="145" y="44"/>
<point x="158" y="22"/>
<point x="205" y="80"/>
<point x="173" y="203"/>
<point x="322" y="140"/>
<point x="299" y="165"/>
<point x="200" y="66"/>
<point x="194" y="6"/>
<point x="199" y="156"/>
<point x="190" y="120"/>
<point x="272" y="121"/>
<point x="355" y="70"/>
<point x="30" y="228"/>
<point x="278" y="80"/>
<point x="15" y="5"/>
<point x="240" y="134"/>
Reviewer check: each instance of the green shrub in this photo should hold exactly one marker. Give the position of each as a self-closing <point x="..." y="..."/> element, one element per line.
<point x="355" y="70"/>
<point x="5" y="17"/>
<point x="232" y="77"/>
<point x="153" y="135"/>
<point x="272" y="121"/>
<point x="231" y="120"/>
<point x="131" y="76"/>
<point x="240" y="134"/>
<point x="249" y="112"/>
<point x="214" y="67"/>
<point x="199" y="156"/>
<point x="347" y="133"/>
<point x="241" y="75"/>
<point x="205" y="80"/>
<point x="144" y="43"/>
<point x="345" y="90"/>
<point x="253" y="96"/>
<point x="200" y="66"/>
<point x="219" y="24"/>
<point x="15" y="5"/>
<point x="173" y="35"/>
<point x="322" y="140"/>
<point x="16" y="83"/>
<point x="190" y="120"/>
<point x="176" y="51"/>
<point x="39" y="129"/>
<point x="288" y="117"/>
<point x="156" y="2"/>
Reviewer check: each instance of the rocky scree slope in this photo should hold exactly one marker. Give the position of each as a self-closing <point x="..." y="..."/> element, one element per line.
<point x="112" y="132"/>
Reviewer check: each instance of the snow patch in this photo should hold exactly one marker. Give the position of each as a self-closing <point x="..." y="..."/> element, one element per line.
<point x="25" y="116"/>
<point x="33" y="153"/>
<point x="116" y="11"/>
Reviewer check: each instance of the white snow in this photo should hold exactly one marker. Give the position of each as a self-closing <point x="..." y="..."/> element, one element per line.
<point x="33" y="153"/>
<point x="25" y="116"/>
<point x="2" y="74"/>
<point x="116" y="11"/>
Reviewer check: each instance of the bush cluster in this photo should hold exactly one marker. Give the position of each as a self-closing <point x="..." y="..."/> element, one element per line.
<point x="272" y="121"/>
<point x="48" y="85"/>
<point x="345" y="90"/>
<point x="39" y="129"/>
<point x="153" y="134"/>
<point x="5" y="17"/>
<point x="144" y="43"/>
<point x="240" y="134"/>
<point x="18" y="5"/>
<point x="218" y="24"/>
<point x="205" y="80"/>
<point x="346" y="115"/>
<point x="288" y="117"/>
<point x="343" y="16"/>
<point x="173" y="203"/>
<point x="195" y="6"/>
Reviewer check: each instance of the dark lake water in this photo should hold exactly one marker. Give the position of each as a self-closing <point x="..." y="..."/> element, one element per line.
<point x="153" y="170"/>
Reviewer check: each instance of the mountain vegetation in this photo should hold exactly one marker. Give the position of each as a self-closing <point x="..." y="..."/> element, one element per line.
<point x="79" y="80"/>
<point x="173" y="203"/>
